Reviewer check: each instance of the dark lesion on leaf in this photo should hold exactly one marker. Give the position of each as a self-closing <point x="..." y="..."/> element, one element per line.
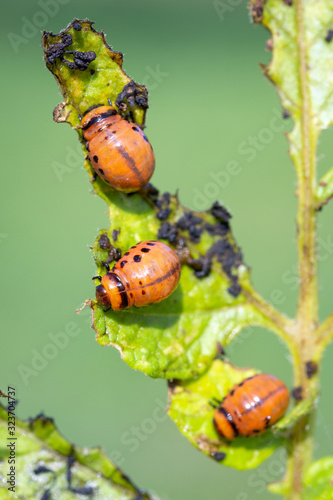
<point x="220" y="352"/>
<point x="132" y="95"/>
<point x="162" y="203"/>
<point x="81" y="60"/>
<point x="83" y="490"/>
<point x="257" y="10"/>
<point x="114" y="254"/>
<point x="46" y="495"/>
<point x="285" y="114"/>
<point x="311" y="368"/>
<point x="218" y="456"/>
<point x="42" y="469"/>
<point x="329" y="36"/>
<point x="297" y="393"/>
<point x="185" y="229"/>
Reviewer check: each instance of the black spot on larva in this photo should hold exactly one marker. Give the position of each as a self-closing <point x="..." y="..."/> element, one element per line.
<point x="267" y="421"/>
<point x="134" y="246"/>
<point x="151" y="244"/>
<point x="329" y="36"/>
<point x="95" y="158"/>
<point x="311" y="368"/>
<point x="140" y="282"/>
<point x="218" y="456"/>
<point x="145" y="250"/>
<point x="101" y="171"/>
<point x="135" y="128"/>
<point x="256" y="431"/>
<point x="232" y="392"/>
<point x="230" y="420"/>
<point x="131" y="294"/>
<point x="77" y="26"/>
<point x="145" y="137"/>
<point x="143" y="292"/>
<point x="297" y="393"/>
<point x="94" y="106"/>
<point x="87" y="147"/>
<point x="98" y="118"/>
<point x="126" y="253"/>
<point x="122" y="263"/>
<point x="137" y="258"/>
<point x="113" y="132"/>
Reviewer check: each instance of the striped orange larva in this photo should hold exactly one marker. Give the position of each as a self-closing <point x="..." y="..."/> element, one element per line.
<point x="251" y="407"/>
<point x="148" y="273"/>
<point x="119" y="151"/>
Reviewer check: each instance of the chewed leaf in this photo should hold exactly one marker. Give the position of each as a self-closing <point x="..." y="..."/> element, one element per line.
<point x="301" y="70"/>
<point x="317" y="481"/>
<point x="191" y="410"/>
<point x="89" y="72"/>
<point x="47" y="466"/>
<point x="296" y="36"/>
<point x="178" y="337"/>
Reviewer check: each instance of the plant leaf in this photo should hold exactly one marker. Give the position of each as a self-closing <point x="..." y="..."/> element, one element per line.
<point x="91" y="74"/>
<point x="297" y="33"/>
<point x="318" y="480"/>
<point x="191" y="410"/>
<point x="179" y="337"/>
<point x="301" y="69"/>
<point x="46" y="462"/>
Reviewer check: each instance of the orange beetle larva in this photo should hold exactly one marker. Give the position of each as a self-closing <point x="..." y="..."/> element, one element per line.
<point x="119" y="151"/>
<point x="148" y="273"/>
<point x="251" y="407"/>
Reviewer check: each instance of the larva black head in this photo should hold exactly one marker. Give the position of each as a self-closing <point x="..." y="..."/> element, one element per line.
<point x="102" y="296"/>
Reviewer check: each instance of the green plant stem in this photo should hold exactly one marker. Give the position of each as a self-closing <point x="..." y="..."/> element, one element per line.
<point x="301" y="444"/>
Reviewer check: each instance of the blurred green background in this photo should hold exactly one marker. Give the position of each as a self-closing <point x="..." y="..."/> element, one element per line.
<point x="208" y="103"/>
